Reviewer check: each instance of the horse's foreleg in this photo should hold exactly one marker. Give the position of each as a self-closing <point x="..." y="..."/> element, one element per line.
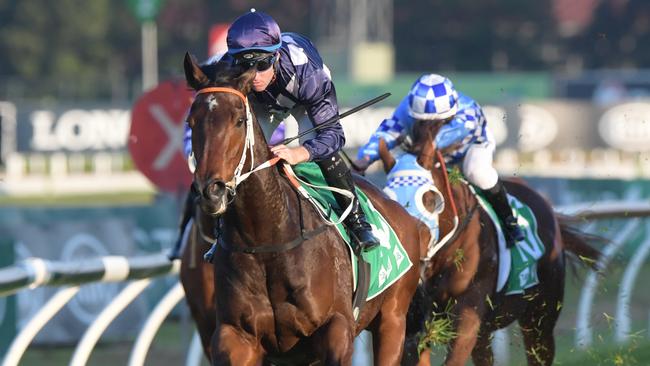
<point x="467" y="327"/>
<point x="388" y="339"/>
<point x="537" y="328"/>
<point x="337" y="338"/>
<point x="540" y="344"/>
<point x="231" y="347"/>
<point x="482" y="355"/>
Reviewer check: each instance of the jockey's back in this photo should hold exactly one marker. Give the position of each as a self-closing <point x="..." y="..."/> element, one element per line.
<point x="467" y="127"/>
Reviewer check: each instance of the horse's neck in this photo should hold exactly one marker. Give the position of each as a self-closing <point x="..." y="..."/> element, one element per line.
<point x="461" y="196"/>
<point x="261" y="210"/>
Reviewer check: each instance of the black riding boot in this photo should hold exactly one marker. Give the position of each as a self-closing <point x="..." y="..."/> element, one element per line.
<point x="338" y="175"/>
<point x="186" y="215"/>
<point x="499" y="201"/>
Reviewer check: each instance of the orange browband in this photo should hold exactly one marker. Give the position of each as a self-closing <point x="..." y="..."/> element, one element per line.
<point x="221" y="89"/>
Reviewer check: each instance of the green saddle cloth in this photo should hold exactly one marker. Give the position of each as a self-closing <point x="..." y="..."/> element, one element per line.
<point x="525" y="254"/>
<point x="389" y="261"/>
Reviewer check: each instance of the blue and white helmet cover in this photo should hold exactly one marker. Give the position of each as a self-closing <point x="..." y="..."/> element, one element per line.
<point x="432" y="97"/>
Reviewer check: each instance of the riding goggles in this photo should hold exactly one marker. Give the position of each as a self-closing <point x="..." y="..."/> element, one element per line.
<point x="261" y="61"/>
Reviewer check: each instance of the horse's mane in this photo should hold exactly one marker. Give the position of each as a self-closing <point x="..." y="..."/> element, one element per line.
<point x="421" y="133"/>
<point x="222" y="73"/>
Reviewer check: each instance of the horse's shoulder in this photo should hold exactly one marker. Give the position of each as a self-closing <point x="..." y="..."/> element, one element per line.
<point x="463" y="196"/>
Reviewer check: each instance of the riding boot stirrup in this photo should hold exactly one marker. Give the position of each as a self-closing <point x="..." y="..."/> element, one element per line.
<point x="497" y="197"/>
<point x="513" y="232"/>
<point x="361" y="229"/>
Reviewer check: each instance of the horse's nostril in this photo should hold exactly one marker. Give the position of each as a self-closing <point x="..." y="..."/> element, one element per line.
<point x="215" y="190"/>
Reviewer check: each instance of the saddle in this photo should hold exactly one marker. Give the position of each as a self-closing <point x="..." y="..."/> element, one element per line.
<point x="374" y="270"/>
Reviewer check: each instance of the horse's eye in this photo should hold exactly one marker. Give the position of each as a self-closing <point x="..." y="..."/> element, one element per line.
<point x="240" y="121"/>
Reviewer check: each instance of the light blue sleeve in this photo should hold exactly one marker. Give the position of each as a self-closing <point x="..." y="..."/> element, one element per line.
<point x="187" y="140"/>
<point x="390" y="130"/>
<point x="451" y="133"/>
<point x="467" y="126"/>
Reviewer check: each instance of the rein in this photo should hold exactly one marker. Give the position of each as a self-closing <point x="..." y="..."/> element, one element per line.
<point x="457" y="229"/>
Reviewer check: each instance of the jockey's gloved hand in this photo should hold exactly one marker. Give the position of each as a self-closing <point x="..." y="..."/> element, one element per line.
<point x="369" y="151"/>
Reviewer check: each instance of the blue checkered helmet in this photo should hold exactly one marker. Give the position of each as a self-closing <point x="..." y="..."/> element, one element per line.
<point x="432" y="97"/>
<point x="255" y="32"/>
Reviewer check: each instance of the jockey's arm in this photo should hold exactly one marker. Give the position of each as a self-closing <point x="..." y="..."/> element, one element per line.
<point x="318" y="95"/>
<point x="465" y="123"/>
<point x="451" y="133"/>
<point x="390" y="130"/>
<point x="187" y="139"/>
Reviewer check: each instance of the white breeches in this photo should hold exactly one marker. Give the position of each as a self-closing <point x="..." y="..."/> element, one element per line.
<point x="477" y="164"/>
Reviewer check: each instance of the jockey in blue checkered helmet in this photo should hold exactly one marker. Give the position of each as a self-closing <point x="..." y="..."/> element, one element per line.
<point x="432" y="97"/>
<point x="464" y="137"/>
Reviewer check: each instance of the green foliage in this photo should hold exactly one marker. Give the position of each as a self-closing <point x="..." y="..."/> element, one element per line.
<point x="75" y="49"/>
<point x="438" y="330"/>
<point x="458" y="258"/>
<point x="87" y="49"/>
<point x="455" y="175"/>
<point x="468" y="35"/>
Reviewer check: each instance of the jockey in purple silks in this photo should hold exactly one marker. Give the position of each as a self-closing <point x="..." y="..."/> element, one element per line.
<point x="293" y="85"/>
<point x="464" y="134"/>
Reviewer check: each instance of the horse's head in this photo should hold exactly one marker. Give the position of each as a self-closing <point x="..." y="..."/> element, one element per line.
<point x="409" y="178"/>
<point x="222" y="130"/>
<point x="423" y="143"/>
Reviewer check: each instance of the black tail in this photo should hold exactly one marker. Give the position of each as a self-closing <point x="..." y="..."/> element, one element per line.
<point x="580" y="243"/>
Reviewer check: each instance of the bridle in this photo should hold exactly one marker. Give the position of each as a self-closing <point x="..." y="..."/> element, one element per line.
<point x="249" y="142"/>
<point x="239" y="177"/>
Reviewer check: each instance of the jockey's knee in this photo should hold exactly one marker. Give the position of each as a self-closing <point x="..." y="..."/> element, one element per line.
<point x="483" y="177"/>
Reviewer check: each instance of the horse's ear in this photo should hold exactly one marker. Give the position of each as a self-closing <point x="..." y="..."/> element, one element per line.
<point x="385" y="156"/>
<point x="195" y="77"/>
<point x="244" y="81"/>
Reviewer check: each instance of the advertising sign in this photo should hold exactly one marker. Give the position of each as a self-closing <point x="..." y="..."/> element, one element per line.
<point x="156" y="136"/>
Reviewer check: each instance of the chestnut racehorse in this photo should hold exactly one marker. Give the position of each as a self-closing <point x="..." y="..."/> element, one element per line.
<point x="281" y="281"/>
<point x="464" y="272"/>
